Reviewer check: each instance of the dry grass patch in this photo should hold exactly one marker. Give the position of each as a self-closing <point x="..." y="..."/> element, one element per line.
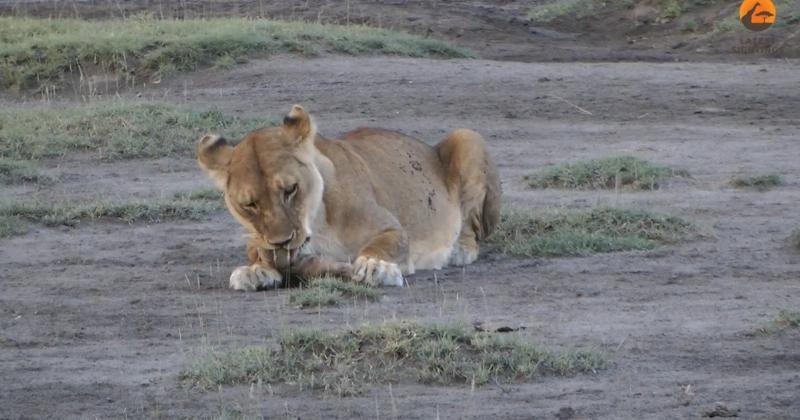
<point x="758" y="182"/>
<point x="345" y="363"/>
<point x="16" y="216"/>
<point x="20" y="172"/>
<point x="114" y="130"/>
<point x="39" y="53"/>
<point x="328" y="291"/>
<point x="581" y="232"/>
<point x="606" y="173"/>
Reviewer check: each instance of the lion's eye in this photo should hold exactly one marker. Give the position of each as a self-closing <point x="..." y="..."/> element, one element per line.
<point x="250" y="206"/>
<point x="288" y="193"/>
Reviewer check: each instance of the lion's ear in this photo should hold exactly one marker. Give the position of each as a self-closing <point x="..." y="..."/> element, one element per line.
<point x="299" y="123"/>
<point x="214" y="155"/>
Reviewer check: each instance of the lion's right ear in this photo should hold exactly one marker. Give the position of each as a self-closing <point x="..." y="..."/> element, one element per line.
<point x="214" y="155"/>
<point x="299" y="123"/>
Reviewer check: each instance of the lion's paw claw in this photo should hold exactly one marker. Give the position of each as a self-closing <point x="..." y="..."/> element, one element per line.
<point x="377" y="272"/>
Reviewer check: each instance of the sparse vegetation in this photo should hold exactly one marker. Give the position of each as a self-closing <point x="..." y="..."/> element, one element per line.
<point x="12" y="226"/>
<point x="545" y="13"/>
<point x="41" y="52"/>
<point x="785" y="319"/>
<point x="758" y="182"/>
<point x="211" y="194"/>
<point x="794" y="239"/>
<point x="666" y="10"/>
<point x="583" y="232"/>
<point x="328" y="291"/>
<point x="114" y="130"/>
<point x="344" y="363"/>
<point x="669" y="9"/>
<point x="727" y="24"/>
<point x="13" y="216"/>
<point x="604" y="173"/>
<point x="20" y="171"/>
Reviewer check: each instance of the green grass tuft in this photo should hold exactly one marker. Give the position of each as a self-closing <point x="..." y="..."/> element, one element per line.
<point x="12" y="226"/>
<point x="787" y="318"/>
<point x="327" y="291"/>
<point x="41" y="52"/>
<point x="784" y="320"/>
<point x="605" y="173"/>
<point x="345" y="363"/>
<point x="66" y="213"/>
<point x="114" y="130"/>
<point x="727" y="24"/>
<point x="583" y="232"/>
<point x="210" y="194"/>
<point x="758" y="182"/>
<point x="20" y="171"/>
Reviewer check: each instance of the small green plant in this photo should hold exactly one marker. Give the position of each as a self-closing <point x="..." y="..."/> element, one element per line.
<point x="691" y="25"/>
<point x="758" y="182"/>
<point x="604" y="173"/>
<point x="114" y="130"/>
<point x="670" y="9"/>
<point x="20" y="171"/>
<point x="345" y="363"/>
<point x="326" y="291"/>
<point x="36" y="53"/>
<point x="728" y="24"/>
<point x="582" y="232"/>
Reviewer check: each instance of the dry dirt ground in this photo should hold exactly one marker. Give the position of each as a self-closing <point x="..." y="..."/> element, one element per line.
<point x="96" y="321"/>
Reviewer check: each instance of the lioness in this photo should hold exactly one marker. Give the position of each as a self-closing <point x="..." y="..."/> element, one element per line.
<point x="372" y="206"/>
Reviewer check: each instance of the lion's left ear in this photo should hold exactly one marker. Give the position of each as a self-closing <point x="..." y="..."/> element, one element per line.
<point x="214" y="155"/>
<point x="299" y="123"/>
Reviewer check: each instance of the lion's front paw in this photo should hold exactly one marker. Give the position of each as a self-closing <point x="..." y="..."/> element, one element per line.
<point x="463" y="256"/>
<point x="377" y="272"/>
<point x="255" y="277"/>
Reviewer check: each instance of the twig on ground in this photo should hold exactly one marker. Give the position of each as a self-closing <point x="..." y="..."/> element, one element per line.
<point x="582" y="110"/>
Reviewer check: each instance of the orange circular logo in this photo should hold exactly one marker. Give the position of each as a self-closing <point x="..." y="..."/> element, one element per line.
<point x="757" y="15"/>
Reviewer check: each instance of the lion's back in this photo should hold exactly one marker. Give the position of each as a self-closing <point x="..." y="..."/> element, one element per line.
<point x="408" y="179"/>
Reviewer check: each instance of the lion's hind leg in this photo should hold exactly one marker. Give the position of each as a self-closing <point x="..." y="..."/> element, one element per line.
<point x="472" y="180"/>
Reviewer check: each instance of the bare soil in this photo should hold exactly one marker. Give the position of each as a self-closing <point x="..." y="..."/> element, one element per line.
<point x="97" y="320"/>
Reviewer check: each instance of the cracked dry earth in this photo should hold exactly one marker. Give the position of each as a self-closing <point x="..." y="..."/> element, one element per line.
<point x="97" y="321"/>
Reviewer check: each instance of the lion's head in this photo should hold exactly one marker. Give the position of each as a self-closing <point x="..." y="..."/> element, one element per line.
<point x="271" y="182"/>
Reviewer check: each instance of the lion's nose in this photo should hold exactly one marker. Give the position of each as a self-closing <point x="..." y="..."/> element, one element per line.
<point x="284" y="243"/>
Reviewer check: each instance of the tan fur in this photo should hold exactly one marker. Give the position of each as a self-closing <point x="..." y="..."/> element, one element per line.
<point x="376" y="204"/>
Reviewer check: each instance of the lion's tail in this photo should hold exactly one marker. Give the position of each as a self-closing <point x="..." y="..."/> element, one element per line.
<point x="472" y="175"/>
